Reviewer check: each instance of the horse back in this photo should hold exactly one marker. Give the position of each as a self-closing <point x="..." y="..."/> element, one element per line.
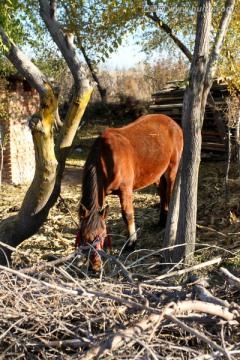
<point x="142" y="151"/>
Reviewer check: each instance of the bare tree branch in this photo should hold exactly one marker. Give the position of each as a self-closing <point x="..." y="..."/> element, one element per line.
<point x="83" y="88"/>
<point x="65" y="46"/>
<point x="116" y="340"/>
<point x="166" y="28"/>
<point x="219" y="40"/>
<point x="35" y="77"/>
<point x="198" y="335"/>
<point x="205" y="295"/>
<point x="191" y="268"/>
<point x="230" y="277"/>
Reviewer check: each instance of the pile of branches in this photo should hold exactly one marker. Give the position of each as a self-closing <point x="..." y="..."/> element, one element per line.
<point x="53" y="311"/>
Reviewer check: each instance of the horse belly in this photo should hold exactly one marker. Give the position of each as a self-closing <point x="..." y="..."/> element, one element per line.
<point x="149" y="175"/>
<point x="153" y="158"/>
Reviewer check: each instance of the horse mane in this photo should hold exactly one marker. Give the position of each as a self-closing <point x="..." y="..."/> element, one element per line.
<point x="90" y="188"/>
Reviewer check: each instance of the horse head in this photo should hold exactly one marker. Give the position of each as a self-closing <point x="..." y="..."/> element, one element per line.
<point x="92" y="234"/>
<point x="93" y="224"/>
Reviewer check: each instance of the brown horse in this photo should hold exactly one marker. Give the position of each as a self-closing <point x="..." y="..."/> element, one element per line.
<point x="124" y="159"/>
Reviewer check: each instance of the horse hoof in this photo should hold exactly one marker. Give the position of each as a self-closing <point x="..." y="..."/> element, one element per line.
<point x="161" y="224"/>
<point x="160" y="227"/>
<point x="129" y="247"/>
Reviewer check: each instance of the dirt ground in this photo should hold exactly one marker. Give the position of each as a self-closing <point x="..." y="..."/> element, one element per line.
<point x="218" y="212"/>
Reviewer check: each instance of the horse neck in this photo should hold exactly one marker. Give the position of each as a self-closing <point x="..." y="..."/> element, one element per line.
<point x="93" y="192"/>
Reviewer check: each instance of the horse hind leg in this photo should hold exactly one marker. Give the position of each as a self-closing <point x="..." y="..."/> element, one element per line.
<point x="128" y="218"/>
<point x="162" y="187"/>
<point x="165" y="188"/>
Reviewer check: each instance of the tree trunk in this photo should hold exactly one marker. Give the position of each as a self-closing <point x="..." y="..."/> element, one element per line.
<point x="202" y="71"/>
<point x="89" y="63"/>
<point x="186" y="232"/>
<point x="50" y="159"/>
<point x="172" y="219"/>
<point x="18" y="228"/>
<point x="192" y="120"/>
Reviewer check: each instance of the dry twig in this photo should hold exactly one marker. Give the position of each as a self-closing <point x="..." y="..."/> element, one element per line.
<point x="216" y="261"/>
<point x="230" y="277"/>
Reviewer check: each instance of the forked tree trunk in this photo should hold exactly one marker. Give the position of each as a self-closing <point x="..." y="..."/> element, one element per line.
<point x="102" y="91"/>
<point x="50" y="158"/>
<point x="202" y="71"/>
<point x="192" y="120"/>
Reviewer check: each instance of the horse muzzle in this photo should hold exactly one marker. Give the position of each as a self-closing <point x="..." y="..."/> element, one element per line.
<point x="101" y="243"/>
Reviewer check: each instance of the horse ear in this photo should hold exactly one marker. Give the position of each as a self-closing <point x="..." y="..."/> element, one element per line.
<point x="104" y="212"/>
<point x="83" y="211"/>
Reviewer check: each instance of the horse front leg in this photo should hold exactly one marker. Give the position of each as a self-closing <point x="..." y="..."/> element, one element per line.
<point x="128" y="217"/>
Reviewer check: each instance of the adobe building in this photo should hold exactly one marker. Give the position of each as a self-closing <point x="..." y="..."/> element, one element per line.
<point x="18" y="101"/>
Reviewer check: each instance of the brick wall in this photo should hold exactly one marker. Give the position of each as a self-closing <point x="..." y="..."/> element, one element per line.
<point x="18" y="156"/>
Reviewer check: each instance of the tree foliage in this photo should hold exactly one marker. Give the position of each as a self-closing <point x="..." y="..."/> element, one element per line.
<point x="156" y="25"/>
<point x="101" y="26"/>
<point x="230" y="60"/>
